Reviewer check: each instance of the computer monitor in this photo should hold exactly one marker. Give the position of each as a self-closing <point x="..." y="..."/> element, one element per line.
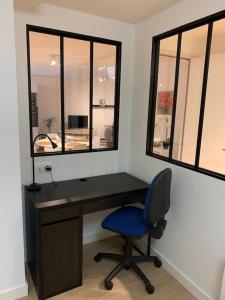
<point x="77" y="122"/>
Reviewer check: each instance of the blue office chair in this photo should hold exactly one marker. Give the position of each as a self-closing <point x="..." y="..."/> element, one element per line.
<point x="133" y="223"/>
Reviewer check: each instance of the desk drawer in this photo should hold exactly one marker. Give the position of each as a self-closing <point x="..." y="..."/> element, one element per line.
<point x="116" y="202"/>
<point x="59" y="214"/>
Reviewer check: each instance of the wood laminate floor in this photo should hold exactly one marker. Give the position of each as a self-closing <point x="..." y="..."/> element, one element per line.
<point x="127" y="286"/>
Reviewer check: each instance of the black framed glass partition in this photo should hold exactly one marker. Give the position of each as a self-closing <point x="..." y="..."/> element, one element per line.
<point x="74" y="90"/>
<point x="187" y="104"/>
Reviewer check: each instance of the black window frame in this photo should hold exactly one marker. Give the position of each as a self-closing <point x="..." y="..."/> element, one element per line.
<point x="92" y="39"/>
<point x="209" y="20"/>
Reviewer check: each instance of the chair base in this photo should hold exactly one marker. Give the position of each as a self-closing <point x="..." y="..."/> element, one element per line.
<point x="128" y="261"/>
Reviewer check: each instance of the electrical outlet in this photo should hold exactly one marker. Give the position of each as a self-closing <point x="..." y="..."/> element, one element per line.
<point x="40" y="167"/>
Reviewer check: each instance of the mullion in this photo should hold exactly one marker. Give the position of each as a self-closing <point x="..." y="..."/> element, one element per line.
<point x="116" y="96"/>
<point x="91" y="94"/>
<point x="176" y="81"/>
<point x="203" y="96"/>
<point x="30" y="93"/>
<point x="62" y="92"/>
<point x="153" y="94"/>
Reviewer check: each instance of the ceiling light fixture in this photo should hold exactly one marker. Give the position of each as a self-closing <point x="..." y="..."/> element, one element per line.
<point x="54" y="59"/>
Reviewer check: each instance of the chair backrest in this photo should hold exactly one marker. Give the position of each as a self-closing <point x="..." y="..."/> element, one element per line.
<point x="157" y="201"/>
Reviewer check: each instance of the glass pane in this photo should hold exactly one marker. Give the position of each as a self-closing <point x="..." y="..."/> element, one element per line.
<point x="189" y="94"/>
<point x="212" y="155"/>
<point x="45" y="88"/>
<point x="165" y="90"/>
<point x="76" y="93"/>
<point x="104" y="95"/>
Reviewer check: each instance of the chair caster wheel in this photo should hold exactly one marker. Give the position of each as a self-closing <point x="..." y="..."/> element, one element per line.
<point x="150" y="289"/>
<point x="158" y="263"/>
<point x="108" y="285"/>
<point x="97" y="258"/>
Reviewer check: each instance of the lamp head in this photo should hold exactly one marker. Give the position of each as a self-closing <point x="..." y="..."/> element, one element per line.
<point x="54" y="145"/>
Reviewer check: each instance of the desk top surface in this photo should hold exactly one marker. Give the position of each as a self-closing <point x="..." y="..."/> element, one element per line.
<point x="77" y="191"/>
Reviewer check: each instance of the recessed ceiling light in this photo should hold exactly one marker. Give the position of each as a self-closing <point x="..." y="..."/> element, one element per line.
<point x="54" y="59"/>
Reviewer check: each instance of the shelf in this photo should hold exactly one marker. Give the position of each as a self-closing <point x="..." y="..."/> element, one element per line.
<point x="103" y="107"/>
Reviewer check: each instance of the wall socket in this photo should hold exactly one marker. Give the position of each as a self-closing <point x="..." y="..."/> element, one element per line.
<point x="40" y="167"/>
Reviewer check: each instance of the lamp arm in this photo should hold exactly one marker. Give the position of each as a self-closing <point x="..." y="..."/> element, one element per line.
<point x="34" y="187"/>
<point x="42" y="134"/>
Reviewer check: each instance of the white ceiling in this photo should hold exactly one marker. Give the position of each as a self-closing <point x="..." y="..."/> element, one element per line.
<point x="131" y="11"/>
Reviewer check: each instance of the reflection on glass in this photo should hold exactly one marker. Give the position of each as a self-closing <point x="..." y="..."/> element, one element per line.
<point x="165" y="90"/>
<point x="45" y="89"/>
<point x="76" y="93"/>
<point x="103" y="96"/>
<point x="212" y="156"/>
<point x="189" y="94"/>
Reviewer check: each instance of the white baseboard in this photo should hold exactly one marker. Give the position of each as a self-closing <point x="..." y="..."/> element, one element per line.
<point x="97" y="236"/>
<point x="15" y="293"/>
<point x="190" y="285"/>
<point x="222" y="294"/>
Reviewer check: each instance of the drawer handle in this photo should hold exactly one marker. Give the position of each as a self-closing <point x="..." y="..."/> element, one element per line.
<point x="60" y="221"/>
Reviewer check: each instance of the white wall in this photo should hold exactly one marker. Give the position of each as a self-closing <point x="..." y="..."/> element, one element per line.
<point x="194" y="244"/>
<point x="12" y="277"/>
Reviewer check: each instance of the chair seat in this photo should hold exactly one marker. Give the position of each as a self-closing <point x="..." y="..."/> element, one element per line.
<point x="128" y="221"/>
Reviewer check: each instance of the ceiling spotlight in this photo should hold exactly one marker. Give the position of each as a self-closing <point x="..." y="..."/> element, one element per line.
<point x="53" y="62"/>
<point x="54" y="59"/>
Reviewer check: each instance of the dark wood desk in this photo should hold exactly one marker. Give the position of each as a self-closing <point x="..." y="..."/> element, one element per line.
<point x="54" y="224"/>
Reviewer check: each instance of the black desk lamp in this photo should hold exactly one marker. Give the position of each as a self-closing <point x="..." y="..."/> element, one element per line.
<point x="34" y="187"/>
